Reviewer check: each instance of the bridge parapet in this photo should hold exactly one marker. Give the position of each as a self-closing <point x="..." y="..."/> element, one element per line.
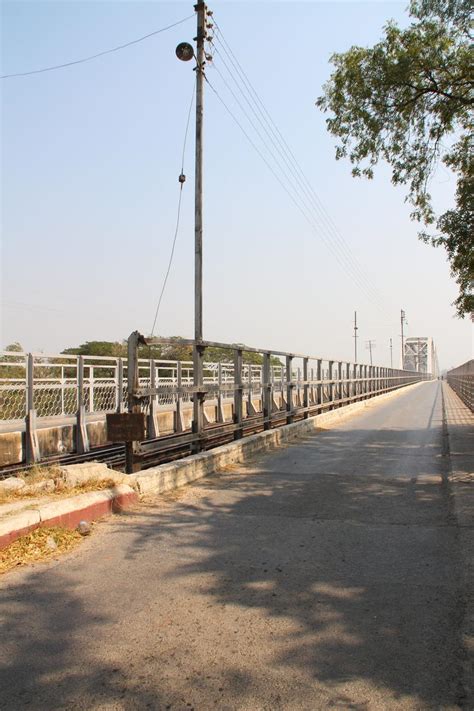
<point x="307" y="385"/>
<point x="461" y="379"/>
<point x="230" y="396"/>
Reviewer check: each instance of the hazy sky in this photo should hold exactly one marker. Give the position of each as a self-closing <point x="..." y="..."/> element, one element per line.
<point x="91" y="157"/>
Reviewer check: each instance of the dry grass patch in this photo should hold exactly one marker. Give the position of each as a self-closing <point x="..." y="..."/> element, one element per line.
<point x="39" y="545"/>
<point x="35" y="475"/>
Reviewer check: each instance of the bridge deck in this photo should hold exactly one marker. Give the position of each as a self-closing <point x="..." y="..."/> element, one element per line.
<point x="328" y="574"/>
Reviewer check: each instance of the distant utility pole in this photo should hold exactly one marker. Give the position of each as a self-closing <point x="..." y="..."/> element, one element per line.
<point x="402" y="321"/>
<point x="370" y="345"/>
<point x="391" y="354"/>
<point x="355" y="336"/>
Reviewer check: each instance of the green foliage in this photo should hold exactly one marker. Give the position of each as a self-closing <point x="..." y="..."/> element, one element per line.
<point x="113" y="349"/>
<point x="169" y="351"/>
<point x="14" y="347"/>
<point x="408" y="100"/>
<point x="12" y="371"/>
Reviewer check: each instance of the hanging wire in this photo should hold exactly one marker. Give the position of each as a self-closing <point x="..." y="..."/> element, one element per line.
<point x="99" y="54"/>
<point x="181" y="183"/>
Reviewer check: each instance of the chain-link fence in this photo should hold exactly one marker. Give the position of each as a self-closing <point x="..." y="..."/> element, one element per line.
<point x="53" y="383"/>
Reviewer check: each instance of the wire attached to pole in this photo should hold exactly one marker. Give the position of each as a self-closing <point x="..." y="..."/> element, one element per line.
<point x="181" y="179"/>
<point x="99" y="54"/>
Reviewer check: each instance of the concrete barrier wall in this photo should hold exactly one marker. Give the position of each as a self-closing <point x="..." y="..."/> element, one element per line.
<point x="61" y="438"/>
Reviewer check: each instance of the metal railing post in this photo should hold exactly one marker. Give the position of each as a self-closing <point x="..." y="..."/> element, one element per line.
<point x="133" y="448"/>
<point x="62" y="389"/>
<point x="319" y="386"/>
<point x="339" y="383"/>
<point x="266" y="392"/>
<point x="91" y="388"/>
<point x="238" y="394"/>
<point x="282" y="389"/>
<point x="119" y="398"/>
<point x="179" y="425"/>
<point x="331" y="384"/>
<point x="153" y="426"/>
<point x="305" y="389"/>
<point x="289" y="390"/>
<point x="82" y="439"/>
<point x="32" y="451"/>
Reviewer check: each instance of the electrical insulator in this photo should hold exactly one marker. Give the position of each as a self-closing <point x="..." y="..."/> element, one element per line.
<point x="182" y="178"/>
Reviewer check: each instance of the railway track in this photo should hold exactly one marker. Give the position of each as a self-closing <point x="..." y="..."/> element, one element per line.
<point x="157" y="451"/>
<point x="168" y="448"/>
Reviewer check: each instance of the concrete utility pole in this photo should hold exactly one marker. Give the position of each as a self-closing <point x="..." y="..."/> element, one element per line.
<point x="391" y="354"/>
<point x="402" y="321"/>
<point x="370" y="345"/>
<point x="185" y="52"/>
<point x="200" y="9"/>
<point x="355" y="336"/>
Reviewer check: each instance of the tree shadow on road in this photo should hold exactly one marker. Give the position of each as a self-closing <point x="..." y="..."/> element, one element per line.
<point x="350" y="581"/>
<point x="49" y="657"/>
<point x="328" y="580"/>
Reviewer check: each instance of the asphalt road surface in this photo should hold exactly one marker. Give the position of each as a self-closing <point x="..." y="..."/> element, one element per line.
<point x="325" y="575"/>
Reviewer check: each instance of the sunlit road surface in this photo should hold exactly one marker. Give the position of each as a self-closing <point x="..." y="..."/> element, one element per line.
<point x="326" y="575"/>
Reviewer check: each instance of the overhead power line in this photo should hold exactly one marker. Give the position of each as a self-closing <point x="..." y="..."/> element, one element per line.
<point x="302" y="208"/>
<point x="326" y="228"/>
<point x="99" y="54"/>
